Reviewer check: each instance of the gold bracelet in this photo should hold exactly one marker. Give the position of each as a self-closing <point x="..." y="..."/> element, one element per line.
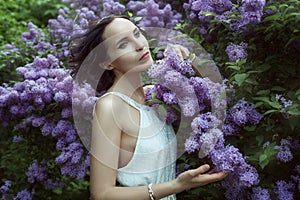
<point x="151" y="194"/>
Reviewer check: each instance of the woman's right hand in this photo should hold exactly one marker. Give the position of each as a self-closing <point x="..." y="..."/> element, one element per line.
<point x="197" y="177"/>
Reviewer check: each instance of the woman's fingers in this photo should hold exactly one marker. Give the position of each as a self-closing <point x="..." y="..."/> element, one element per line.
<point x="200" y="170"/>
<point x="181" y="51"/>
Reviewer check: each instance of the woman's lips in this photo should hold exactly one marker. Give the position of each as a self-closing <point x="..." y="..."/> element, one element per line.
<point x="145" y="55"/>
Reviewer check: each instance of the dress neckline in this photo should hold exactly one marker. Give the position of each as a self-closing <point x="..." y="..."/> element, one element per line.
<point x="126" y="96"/>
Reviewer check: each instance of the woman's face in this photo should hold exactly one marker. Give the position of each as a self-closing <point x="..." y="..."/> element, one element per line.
<point x="127" y="47"/>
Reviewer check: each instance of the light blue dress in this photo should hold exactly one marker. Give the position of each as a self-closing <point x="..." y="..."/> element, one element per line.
<point x="154" y="157"/>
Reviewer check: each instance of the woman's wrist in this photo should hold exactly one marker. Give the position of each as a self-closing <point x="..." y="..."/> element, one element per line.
<point x="176" y="186"/>
<point x="192" y="57"/>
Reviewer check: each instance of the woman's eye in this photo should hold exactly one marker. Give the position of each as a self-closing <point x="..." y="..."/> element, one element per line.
<point x="137" y="34"/>
<point x="122" y="45"/>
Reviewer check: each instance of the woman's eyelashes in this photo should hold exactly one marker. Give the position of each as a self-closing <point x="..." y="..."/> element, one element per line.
<point x="137" y="33"/>
<point x="125" y="41"/>
<point x="123" y="44"/>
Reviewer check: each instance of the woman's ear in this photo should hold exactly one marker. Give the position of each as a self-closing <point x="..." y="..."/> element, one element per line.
<point x="106" y="66"/>
<point x="109" y="67"/>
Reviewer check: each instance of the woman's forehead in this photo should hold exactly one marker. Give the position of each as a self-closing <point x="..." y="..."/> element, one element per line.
<point x="118" y="27"/>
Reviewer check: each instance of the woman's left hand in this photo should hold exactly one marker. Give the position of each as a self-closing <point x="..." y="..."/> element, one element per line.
<point x="181" y="51"/>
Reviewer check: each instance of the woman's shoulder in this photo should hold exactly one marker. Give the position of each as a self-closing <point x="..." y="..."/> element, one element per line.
<point x="108" y="103"/>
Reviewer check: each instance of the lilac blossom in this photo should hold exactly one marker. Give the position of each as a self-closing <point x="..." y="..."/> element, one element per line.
<point x="4" y="189"/>
<point x="284" y="151"/>
<point x="196" y="11"/>
<point x="236" y="52"/>
<point x="201" y="89"/>
<point x="37" y="172"/>
<point x="284" y="103"/>
<point x="23" y="195"/>
<point x="296" y="179"/>
<point x="259" y="193"/>
<point x="252" y="11"/>
<point x="154" y="15"/>
<point x="240" y="114"/>
<point x="206" y="136"/>
<point x="238" y="16"/>
<point x="17" y="138"/>
<point x="168" y="72"/>
<point x="238" y="181"/>
<point x="284" y="190"/>
<point x="192" y="143"/>
<point x="112" y="7"/>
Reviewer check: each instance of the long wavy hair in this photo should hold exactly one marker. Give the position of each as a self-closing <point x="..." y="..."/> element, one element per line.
<point x="81" y="53"/>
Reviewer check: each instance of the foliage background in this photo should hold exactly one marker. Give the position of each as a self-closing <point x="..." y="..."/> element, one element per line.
<point x="270" y="69"/>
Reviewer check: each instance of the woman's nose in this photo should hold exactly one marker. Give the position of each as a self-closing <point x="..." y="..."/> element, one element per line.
<point x="140" y="48"/>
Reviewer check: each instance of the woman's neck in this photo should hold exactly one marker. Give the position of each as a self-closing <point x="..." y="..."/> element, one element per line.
<point x="131" y="85"/>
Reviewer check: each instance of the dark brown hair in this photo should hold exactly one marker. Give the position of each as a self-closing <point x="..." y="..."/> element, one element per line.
<point x="81" y="47"/>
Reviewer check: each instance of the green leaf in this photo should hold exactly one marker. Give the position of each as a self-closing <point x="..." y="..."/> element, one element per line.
<point x="293" y="122"/>
<point x="250" y="128"/>
<point x="293" y="112"/>
<point x="263" y="92"/>
<point x="292" y="14"/>
<point x="278" y="88"/>
<point x="251" y="81"/>
<point x="271" y="18"/>
<point x="162" y="110"/>
<point x="274" y="104"/>
<point x="240" y="78"/>
<point x="270" y="111"/>
<point x="234" y="67"/>
<point x="208" y="13"/>
<point x="260" y="139"/>
<point x="263" y="160"/>
<point x="136" y="19"/>
<point x="264" y="67"/>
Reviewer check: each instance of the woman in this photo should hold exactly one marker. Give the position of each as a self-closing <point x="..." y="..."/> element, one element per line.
<point x="130" y="145"/>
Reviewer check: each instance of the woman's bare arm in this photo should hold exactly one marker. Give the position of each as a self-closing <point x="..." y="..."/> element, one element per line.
<point x="106" y="139"/>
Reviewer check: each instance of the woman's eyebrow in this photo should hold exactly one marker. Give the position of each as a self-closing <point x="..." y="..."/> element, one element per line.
<point x="125" y="38"/>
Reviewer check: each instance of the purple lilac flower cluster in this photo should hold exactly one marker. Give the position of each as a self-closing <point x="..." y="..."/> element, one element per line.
<point x="174" y="79"/>
<point x="4" y="189"/>
<point x="65" y="27"/>
<point x="112" y="7"/>
<point x="203" y="11"/>
<point x="47" y="86"/>
<point x="62" y="27"/>
<point x="240" y="114"/>
<point x="45" y="82"/>
<point x="296" y="178"/>
<point x="284" y="190"/>
<point x="36" y="39"/>
<point x="259" y="193"/>
<point x="284" y="103"/>
<point x="236" y="52"/>
<point x="24" y="195"/>
<point x="251" y="11"/>
<point x="91" y="4"/>
<point x="284" y="150"/>
<point x="173" y="86"/>
<point x="237" y="14"/>
<point x="154" y="15"/>
<point x="39" y="173"/>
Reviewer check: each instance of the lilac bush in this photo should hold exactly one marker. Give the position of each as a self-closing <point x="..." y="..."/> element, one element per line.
<point x="154" y="14"/>
<point x="255" y="46"/>
<point x="176" y="79"/>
